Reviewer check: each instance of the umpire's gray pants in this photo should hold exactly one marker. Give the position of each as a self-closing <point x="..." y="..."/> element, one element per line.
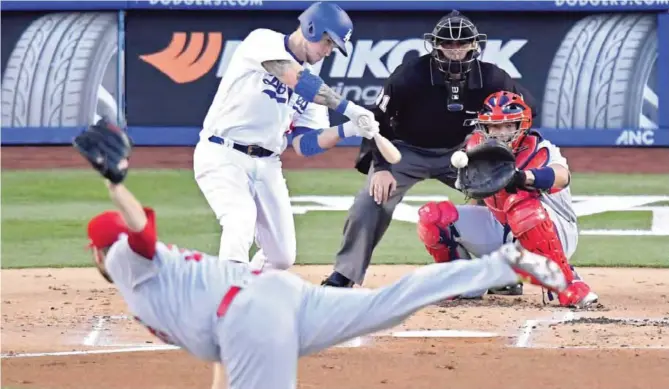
<point x="367" y="221"/>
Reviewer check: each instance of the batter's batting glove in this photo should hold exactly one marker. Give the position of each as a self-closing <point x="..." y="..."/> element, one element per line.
<point x="107" y="148"/>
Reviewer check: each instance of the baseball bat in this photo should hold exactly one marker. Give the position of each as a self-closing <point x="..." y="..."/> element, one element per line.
<point x="386" y="148"/>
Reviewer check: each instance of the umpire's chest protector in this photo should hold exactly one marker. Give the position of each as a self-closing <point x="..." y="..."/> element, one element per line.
<point x="436" y="112"/>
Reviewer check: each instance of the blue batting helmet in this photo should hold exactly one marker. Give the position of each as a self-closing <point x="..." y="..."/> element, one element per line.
<point x="326" y="17"/>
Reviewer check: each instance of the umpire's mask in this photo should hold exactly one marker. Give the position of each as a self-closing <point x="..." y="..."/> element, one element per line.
<point x="454" y="43"/>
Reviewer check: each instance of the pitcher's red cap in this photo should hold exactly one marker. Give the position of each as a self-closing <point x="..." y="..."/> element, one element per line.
<point x="105" y="228"/>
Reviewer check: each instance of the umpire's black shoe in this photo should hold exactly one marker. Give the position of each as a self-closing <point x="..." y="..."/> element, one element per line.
<point x="509" y="290"/>
<point x="337" y="280"/>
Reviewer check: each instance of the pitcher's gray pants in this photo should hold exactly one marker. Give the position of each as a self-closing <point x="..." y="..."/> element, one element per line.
<point x="261" y="337"/>
<point x="367" y="221"/>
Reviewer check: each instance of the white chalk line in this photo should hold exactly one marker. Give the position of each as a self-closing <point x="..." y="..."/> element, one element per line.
<point x="353" y="343"/>
<point x="92" y="338"/>
<point x="89" y="352"/>
<point x="524" y="339"/>
<point x="526" y="333"/>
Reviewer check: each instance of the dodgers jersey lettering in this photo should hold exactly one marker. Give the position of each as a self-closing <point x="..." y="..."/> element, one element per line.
<point x="253" y="107"/>
<point x="176" y="293"/>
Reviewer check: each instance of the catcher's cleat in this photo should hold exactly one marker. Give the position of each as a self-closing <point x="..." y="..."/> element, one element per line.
<point x="508" y="290"/>
<point x="577" y="295"/>
<point x="468" y="298"/>
<point x="337" y="280"/>
<point x="534" y="268"/>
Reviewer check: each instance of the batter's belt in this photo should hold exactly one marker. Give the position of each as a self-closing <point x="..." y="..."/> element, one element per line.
<point x="252" y="150"/>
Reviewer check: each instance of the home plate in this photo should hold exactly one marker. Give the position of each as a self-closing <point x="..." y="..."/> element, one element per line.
<point x="443" y="334"/>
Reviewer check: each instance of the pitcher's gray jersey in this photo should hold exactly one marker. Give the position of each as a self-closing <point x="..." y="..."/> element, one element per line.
<point x="176" y="293"/>
<point x="258" y="324"/>
<point x="278" y="317"/>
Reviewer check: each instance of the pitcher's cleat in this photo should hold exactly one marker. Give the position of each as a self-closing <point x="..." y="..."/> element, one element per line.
<point x="534" y="268"/>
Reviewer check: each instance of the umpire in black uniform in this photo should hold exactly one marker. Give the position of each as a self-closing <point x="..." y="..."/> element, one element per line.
<point x="426" y="109"/>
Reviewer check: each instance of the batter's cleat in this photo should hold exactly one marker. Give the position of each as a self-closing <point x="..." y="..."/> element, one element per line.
<point x="509" y="290"/>
<point x="577" y="295"/>
<point x="534" y="268"/>
<point x="337" y="280"/>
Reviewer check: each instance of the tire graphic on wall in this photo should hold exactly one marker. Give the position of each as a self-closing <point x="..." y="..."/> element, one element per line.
<point x="62" y="72"/>
<point x="601" y="75"/>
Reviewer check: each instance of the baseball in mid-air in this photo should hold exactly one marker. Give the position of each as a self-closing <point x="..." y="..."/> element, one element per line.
<point x="459" y="159"/>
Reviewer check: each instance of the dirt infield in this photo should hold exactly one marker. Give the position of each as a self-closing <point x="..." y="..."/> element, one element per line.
<point x="510" y="342"/>
<point x="604" y="160"/>
<point x="622" y="344"/>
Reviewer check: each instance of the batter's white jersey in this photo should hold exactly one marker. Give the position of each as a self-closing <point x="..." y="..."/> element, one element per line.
<point x="251" y="106"/>
<point x="175" y="294"/>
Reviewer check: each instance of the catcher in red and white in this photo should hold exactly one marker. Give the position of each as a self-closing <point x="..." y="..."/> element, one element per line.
<point x="534" y="207"/>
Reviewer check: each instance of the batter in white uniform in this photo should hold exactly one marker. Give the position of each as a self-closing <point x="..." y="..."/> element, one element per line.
<point x="267" y="91"/>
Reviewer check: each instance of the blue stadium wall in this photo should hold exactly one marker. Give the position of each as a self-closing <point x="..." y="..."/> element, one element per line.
<point x="600" y="69"/>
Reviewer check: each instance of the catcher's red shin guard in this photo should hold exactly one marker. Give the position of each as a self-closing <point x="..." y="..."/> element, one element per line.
<point x="434" y="223"/>
<point x="532" y="226"/>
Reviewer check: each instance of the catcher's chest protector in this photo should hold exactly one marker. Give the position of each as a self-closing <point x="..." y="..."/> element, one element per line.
<point x="529" y="156"/>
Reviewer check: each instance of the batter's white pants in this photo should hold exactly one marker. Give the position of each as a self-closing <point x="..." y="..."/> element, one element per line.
<point x="250" y="199"/>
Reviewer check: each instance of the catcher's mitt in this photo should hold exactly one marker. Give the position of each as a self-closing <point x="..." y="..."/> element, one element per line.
<point x="107" y="148"/>
<point x="491" y="167"/>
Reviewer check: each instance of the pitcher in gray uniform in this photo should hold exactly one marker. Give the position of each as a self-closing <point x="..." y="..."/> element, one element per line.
<point x="255" y="326"/>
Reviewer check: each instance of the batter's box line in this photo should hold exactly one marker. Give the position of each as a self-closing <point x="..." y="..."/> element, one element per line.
<point x="100" y="322"/>
<point x="524" y="338"/>
<point x="92" y="338"/>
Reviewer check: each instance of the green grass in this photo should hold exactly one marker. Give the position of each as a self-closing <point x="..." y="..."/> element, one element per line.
<point x="659" y="204"/>
<point x="612" y="220"/>
<point x="622" y="251"/>
<point x="44" y="216"/>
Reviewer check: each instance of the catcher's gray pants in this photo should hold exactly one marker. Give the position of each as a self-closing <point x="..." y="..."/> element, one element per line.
<point x="481" y="234"/>
<point x="367" y="221"/>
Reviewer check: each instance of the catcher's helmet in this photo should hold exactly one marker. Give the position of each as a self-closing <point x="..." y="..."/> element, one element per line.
<point x="506" y="107"/>
<point x="455" y="43"/>
<point x="326" y="17"/>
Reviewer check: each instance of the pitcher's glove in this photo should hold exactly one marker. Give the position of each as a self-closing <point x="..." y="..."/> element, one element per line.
<point x="107" y="148"/>
<point x="491" y="168"/>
